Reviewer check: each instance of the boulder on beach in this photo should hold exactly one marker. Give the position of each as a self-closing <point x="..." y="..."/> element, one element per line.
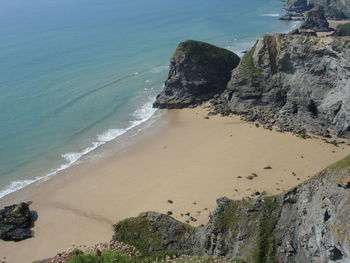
<point x="15" y="222"/>
<point x="198" y="72"/>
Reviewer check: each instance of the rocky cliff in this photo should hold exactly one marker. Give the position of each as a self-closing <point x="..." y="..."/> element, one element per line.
<point x="342" y="30"/>
<point x="315" y="20"/>
<point x="335" y="9"/>
<point x="294" y="82"/>
<point x="198" y="72"/>
<point x="307" y="224"/>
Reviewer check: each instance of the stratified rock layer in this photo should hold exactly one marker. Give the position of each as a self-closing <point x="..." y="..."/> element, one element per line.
<point x="307" y="224"/>
<point x="15" y="222"/>
<point x="198" y="72"/>
<point x="295" y="82"/>
<point x="315" y="20"/>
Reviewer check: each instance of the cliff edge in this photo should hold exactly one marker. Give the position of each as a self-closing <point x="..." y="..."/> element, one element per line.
<point x="294" y="82"/>
<point x="309" y="223"/>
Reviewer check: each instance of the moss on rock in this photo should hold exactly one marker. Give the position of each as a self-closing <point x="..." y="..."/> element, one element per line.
<point x="152" y="232"/>
<point x="202" y="53"/>
<point x="248" y="61"/>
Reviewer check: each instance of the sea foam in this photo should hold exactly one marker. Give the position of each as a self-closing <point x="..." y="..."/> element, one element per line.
<point x="140" y="116"/>
<point x="271" y="15"/>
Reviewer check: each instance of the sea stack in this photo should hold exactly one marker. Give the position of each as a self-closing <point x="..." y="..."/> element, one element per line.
<point x="198" y="72"/>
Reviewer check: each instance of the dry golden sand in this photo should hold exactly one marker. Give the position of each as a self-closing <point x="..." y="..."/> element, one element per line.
<point x="191" y="161"/>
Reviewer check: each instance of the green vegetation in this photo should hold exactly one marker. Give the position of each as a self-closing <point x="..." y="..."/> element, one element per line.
<point x="202" y="53"/>
<point x="114" y="257"/>
<point x="344" y="163"/>
<point x="248" y="61"/>
<point x="343" y="30"/>
<point x="232" y="216"/>
<point x="108" y="256"/>
<point x="146" y="236"/>
<point x="267" y="236"/>
<point x="261" y="226"/>
<point x="136" y="232"/>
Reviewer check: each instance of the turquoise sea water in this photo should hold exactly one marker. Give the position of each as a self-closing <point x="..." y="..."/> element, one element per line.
<point x="77" y="74"/>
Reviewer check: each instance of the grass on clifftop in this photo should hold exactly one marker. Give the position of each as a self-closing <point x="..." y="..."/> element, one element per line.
<point x="343" y="29"/>
<point x="203" y="53"/>
<point x="113" y="257"/>
<point x="108" y="256"/>
<point x="344" y="163"/>
<point x="248" y="61"/>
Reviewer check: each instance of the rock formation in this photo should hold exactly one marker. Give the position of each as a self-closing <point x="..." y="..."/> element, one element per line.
<point x="342" y="30"/>
<point x="294" y="82"/>
<point x="315" y="20"/>
<point x="335" y="9"/>
<point x="298" y="6"/>
<point x="198" y="72"/>
<point x="307" y="224"/>
<point x="15" y="222"/>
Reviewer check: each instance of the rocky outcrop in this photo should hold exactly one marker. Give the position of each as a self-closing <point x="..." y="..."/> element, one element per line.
<point x="298" y="6"/>
<point x="198" y="72"/>
<point x="335" y="9"/>
<point x="342" y="30"/>
<point x="307" y="224"/>
<point x="15" y="222"/>
<point x="153" y="232"/>
<point x="294" y="82"/>
<point x="315" y="20"/>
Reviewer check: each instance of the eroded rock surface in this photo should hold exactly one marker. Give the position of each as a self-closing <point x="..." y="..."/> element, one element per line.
<point x="294" y="82"/>
<point x="15" y="222"/>
<point x="307" y="224"/>
<point x="335" y="9"/>
<point x="198" y="72"/>
<point x="316" y="20"/>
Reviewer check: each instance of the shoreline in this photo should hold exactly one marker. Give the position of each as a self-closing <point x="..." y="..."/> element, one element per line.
<point x="35" y="181"/>
<point x="206" y="156"/>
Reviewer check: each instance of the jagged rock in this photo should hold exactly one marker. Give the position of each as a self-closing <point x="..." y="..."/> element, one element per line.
<point x="297" y="6"/>
<point x="15" y="222"/>
<point x="315" y="20"/>
<point x="310" y="223"/>
<point x="153" y="232"/>
<point x="335" y="9"/>
<point x="342" y="30"/>
<point x="294" y="32"/>
<point x="297" y="83"/>
<point x="198" y="72"/>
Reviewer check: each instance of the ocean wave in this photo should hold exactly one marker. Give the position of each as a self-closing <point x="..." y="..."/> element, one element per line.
<point x="140" y="116"/>
<point x="271" y="15"/>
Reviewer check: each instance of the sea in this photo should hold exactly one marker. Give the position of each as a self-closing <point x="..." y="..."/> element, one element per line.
<point x="77" y="74"/>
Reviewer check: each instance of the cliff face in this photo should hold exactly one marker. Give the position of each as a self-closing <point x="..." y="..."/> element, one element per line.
<point x="307" y="224"/>
<point x="316" y="20"/>
<point x="198" y="72"/>
<point x="294" y="82"/>
<point x="336" y="9"/>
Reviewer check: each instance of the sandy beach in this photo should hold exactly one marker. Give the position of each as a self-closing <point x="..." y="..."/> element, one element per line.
<point x="190" y="160"/>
